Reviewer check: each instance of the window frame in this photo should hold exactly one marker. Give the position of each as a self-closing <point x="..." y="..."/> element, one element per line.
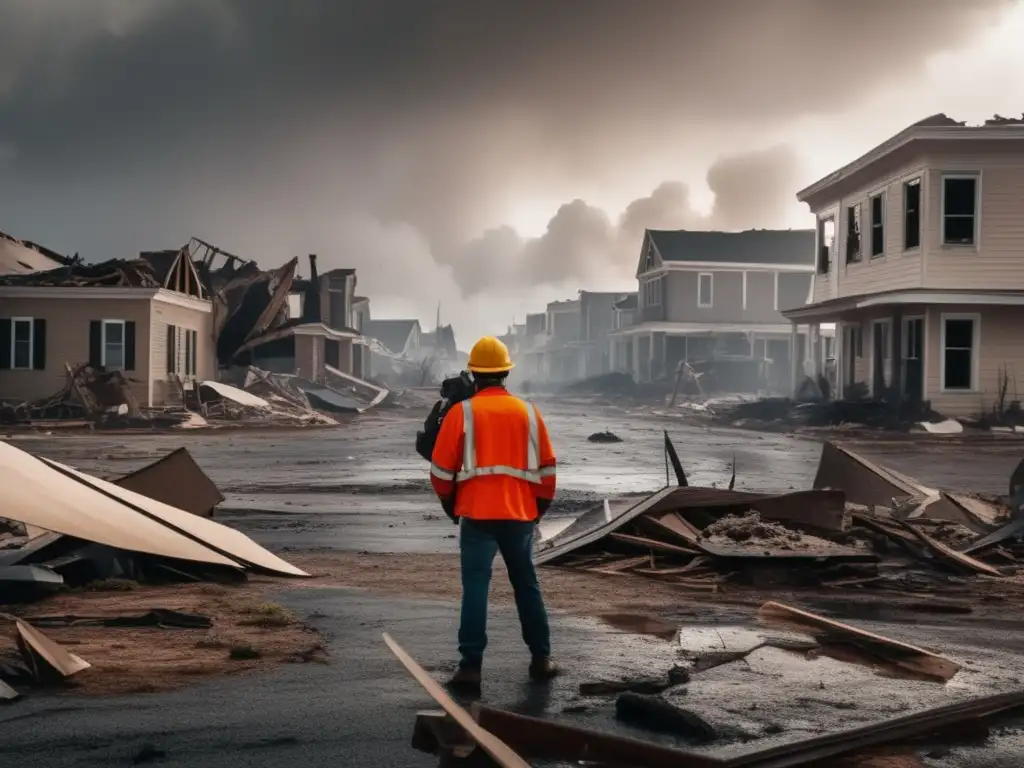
<point x="879" y="225"/>
<point x="819" y="241"/>
<point x="31" y="343"/>
<point x="974" y="176"/>
<point x="975" y="318"/>
<point x="850" y="209"/>
<point x="104" y="324"/>
<point x="711" y="290"/>
<point x="916" y="181"/>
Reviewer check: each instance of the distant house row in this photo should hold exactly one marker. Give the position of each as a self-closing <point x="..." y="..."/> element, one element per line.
<point x="700" y="296"/>
<point x="170" y="318"/>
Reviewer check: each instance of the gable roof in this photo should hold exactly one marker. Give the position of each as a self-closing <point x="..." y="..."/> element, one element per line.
<point x="792" y="247"/>
<point x="393" y="334"/>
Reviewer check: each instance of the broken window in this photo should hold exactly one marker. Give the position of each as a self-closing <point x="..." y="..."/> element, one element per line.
<point x="21" y="343"/>
<point x="826" y="239"/>
<point x="912" y="214"/>
<point x="853" y="250"/>
<point x="958" y="352"/>
<point x="705" y="289"/>
<point x="878" y="225"/>
<point x="959" y="209"/>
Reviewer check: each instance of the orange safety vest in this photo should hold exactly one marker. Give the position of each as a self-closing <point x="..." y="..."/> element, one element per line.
<point x="493" y="453"/>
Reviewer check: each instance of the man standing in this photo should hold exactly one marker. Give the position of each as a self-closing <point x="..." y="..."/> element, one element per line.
<point x="494" y="470"/>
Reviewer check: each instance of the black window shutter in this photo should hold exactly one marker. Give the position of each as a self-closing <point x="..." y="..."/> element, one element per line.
<point x="95" y="343"/>
<point x="172" y="349"/>
<point x="39" y="344"/>
<point x="195" y="338"/>
<point x="6" y="331"/>
<point x="129" y="345"/>
<point x="188" y="353"/>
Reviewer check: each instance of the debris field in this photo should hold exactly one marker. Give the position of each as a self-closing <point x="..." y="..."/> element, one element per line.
<point x="88" y="547"/>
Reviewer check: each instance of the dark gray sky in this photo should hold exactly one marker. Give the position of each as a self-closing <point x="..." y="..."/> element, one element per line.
<point x="395" y="135"/>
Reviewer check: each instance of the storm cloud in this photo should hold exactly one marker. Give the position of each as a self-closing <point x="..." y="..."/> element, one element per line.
<point x="393" y="135"/>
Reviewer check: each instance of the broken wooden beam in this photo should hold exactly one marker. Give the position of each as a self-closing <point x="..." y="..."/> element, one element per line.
<point x="964" y="561"/>
<point x="908" y="658"/>
<point x="653" y="544"/>
<point x="501" y="752"/>
<point x="545" y="739"/>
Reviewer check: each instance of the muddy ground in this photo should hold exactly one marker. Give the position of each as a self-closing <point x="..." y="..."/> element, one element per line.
<point x="352" y="505"/>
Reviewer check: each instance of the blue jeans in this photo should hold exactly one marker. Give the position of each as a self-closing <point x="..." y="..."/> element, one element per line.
<point x="479" y="542"/>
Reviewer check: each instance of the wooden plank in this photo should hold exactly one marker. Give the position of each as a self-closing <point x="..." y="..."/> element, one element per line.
<point x="820" y="509"/>
<point x="951" y="555"/>
<point x="653" y="544"/>
<point x="491" y="744"/>
<point x="907" y="657"/>
<point x="546" y="739"/>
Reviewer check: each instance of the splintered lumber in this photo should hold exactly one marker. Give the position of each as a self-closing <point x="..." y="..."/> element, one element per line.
<point x="951" y="555"/>
<point x="501" y="752"/>
<point x="544" y="739"/>
<point x="906" y="657"/>
<point x="657" y="546"/>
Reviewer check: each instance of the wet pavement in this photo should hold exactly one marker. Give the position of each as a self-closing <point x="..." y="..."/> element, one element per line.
<point x="362" y="487"/>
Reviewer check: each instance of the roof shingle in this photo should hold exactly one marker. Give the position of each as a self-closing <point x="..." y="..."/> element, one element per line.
<point x="792" y="247"/>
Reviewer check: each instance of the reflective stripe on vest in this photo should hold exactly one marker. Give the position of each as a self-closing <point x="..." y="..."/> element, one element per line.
<point x="533" y="472"/>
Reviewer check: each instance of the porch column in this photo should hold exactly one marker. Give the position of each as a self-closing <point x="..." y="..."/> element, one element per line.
<point x="636" y="358"/>
<point x="839" y="353"/>
<point x="794" y="364"/>
<point x="612" y="353"/>
<point x="897" y="357"/>
<point x="816" y="350"/>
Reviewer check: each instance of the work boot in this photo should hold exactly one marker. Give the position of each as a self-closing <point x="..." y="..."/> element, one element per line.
<point x="542" y="669"/>
<point x="466" y="680"/>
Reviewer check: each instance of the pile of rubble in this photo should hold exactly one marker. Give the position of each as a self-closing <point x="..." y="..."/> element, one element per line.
<point x="861" y="526"/>
<point x="63" y="528"/>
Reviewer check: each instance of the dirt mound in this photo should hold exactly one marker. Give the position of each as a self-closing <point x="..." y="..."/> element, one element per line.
<point x="750" y="530"/>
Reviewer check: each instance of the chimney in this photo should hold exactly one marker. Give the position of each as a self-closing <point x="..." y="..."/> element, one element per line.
<point x="311" y="301"/>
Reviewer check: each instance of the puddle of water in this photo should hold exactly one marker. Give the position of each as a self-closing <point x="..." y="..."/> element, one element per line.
<point x="640" y="624"/>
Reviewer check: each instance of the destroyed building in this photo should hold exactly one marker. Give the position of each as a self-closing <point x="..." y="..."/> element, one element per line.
<point x="310" y="329"/>
<point x="919" y="266"/>
<point x="149" y="331"/>
<point x="714" y="300"/>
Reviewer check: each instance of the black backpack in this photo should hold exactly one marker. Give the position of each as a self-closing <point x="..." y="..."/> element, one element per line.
<point x="453" y="390"/>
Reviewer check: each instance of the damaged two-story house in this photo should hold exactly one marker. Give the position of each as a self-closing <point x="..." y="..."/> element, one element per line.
<point x="147" y="318"/>
<point x="707" y="295"/>
<point x="920" y="262"/>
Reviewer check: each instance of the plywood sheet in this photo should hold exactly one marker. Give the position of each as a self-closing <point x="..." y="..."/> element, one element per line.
<point x="38" y="495"/>
<point x="220" y="538"/>
<point x="176" y="480"/>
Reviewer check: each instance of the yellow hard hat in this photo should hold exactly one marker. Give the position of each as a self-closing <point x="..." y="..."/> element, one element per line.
<point x="490" y="355"/>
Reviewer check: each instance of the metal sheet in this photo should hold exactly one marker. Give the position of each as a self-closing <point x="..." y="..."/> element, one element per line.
<point x="219" y="538"/>
<point x="176" y="480"/>
<point x="36" y="494"/>
<point x="29" y="574"/>
<point x="235" y="395"/>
